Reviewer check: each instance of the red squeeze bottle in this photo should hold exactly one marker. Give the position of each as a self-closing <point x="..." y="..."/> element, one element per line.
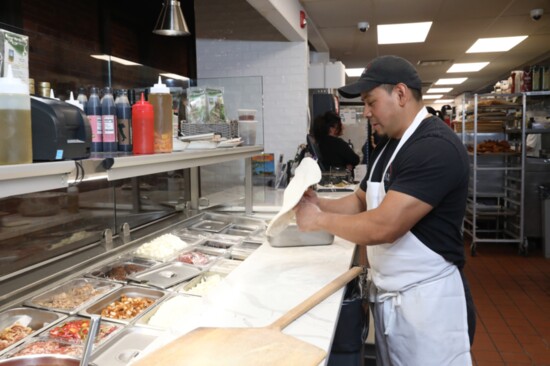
<point x="143" y="125"/>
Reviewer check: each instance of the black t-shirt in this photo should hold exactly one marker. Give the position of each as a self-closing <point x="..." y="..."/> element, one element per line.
<point x="335" y="152"/>
<point x="433" y="167"/>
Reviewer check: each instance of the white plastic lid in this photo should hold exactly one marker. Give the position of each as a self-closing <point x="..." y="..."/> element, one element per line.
<point x="160" y="88"/>
<point x="74" y="102"/>
<point x="11" y="85"/>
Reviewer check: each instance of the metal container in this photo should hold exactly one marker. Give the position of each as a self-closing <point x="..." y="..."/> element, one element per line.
<point x="106" y="331"/>
<point x="122" y="349"/>
<point x="129" y="291"/>
<point x="190" y="288"/>
<point x="166" y="275"/>
<point x="40" y="320"/>
<point x="46" y="346"/>
<point x="293" y="237"/>
<point x="121" y="269"/>
<point x="41" y="360"/>
<point x="211" y="225"/>
<point x="192" y="302"/>
<point x="59" y="294"/>
<point x="225" y="265"/>
<point x="197" y="257"/>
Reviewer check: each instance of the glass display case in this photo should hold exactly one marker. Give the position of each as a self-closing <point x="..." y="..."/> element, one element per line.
<point x="60" y="215"/>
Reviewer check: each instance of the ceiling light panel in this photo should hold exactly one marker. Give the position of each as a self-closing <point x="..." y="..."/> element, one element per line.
<point x="450" y="81"/>
<point x="403" y="33"/>
<point x="444" y="101"/>
<point x="432" y="96"/>
<point x="439" y="90"/>
<point x="468" y="67"/>
<point x="497" y="44"/>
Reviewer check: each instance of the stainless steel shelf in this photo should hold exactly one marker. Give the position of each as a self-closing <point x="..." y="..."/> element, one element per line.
<point x="132" y="166"/>
<point x="29" y="178"/>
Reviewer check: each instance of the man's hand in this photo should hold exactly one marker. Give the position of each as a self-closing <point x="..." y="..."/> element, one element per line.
<point x="306" y="214"/>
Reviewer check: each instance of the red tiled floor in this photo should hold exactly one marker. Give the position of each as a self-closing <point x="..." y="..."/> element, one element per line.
<point x="512" y="296"/>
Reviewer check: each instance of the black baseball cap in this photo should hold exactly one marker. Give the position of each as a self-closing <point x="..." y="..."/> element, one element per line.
<point x="383" y="70"/>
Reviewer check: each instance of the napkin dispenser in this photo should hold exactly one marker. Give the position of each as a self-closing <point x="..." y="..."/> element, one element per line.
<point x="60" y="131"/>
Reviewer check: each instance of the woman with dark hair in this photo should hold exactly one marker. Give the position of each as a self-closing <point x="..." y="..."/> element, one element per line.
<point x="335" y="152"/>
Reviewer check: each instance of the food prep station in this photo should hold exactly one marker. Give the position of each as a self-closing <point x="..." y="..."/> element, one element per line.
<point x="137" y="291"/>
<point x="140" y="278"/>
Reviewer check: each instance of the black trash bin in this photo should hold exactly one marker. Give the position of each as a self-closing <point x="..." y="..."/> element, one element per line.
<point x="351" y="330"/>
<point x="544" y="194"/>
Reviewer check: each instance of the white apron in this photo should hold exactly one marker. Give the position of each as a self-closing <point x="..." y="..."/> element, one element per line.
<point x="419" y="304"/>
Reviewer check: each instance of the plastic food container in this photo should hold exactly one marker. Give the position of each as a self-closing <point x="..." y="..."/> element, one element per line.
<point x="247" y="131"/>
<point x="72" y="295"/>
<point x="246" y="114"/>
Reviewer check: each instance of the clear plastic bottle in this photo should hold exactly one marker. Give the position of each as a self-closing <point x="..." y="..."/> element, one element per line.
<point x="161" y="99"/>
<point x="93" y="110"/>
<point x="82" y="98"/>
<point x="124" y="121"/>
<point x="108" y="119"/>
<point x="15" y="121"/>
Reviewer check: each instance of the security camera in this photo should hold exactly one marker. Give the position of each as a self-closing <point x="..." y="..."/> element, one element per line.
<point x="363" y="26"/>
<point x="536" y="14"/>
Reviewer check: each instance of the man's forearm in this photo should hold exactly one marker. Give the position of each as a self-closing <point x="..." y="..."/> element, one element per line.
<point x="349" y="205"/>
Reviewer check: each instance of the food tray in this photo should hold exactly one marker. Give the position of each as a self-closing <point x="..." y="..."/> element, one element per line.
<point x="97" y="284"/>
<point x="197" y="258"/>
<point x="128" y="266"/>
<point x="235" y="220"/>
<point x="195" y="287"/>
<point x="162" y="248"/>
<point x="216" y="248"/>
<point x="291" y="236"/>
<point x="46" y="346"/>
<point x="178" y="305"/>
<point x="225" y="266"/>
<point x="166" y="275"/>
<point x="243" y="250"/>
<point x="126" y="346"/>
<point x="40" y="320"/>
<point x="60" y="331"/>
<point x="191" y="237"/>
<point x="129" y="291"/>
<point x="211" y="225"/>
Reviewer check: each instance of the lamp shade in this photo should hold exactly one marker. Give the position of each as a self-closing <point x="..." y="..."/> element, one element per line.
<point x="171" y="21"/>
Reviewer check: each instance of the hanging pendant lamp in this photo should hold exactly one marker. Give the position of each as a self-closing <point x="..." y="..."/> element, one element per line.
<point x="171" y="21"/>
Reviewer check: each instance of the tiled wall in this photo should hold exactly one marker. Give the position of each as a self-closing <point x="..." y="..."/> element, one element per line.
<point x="283" y="68"/>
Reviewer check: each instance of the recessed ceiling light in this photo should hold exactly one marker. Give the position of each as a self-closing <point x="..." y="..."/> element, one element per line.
<point x="451" y="81"/>
<point x="432" y="96"/>
<point x="444" y="101"/>
<point x="115" y="59"/>
<point x="354" y="72"/>
<point x="403" y="33"/>
<point x="497" y="44"/>
<point x="439" y="90"/>
<point x="468" y="67"/>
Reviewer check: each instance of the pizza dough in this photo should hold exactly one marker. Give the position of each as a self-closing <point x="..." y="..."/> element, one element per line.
<point x="306" y="175"/>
